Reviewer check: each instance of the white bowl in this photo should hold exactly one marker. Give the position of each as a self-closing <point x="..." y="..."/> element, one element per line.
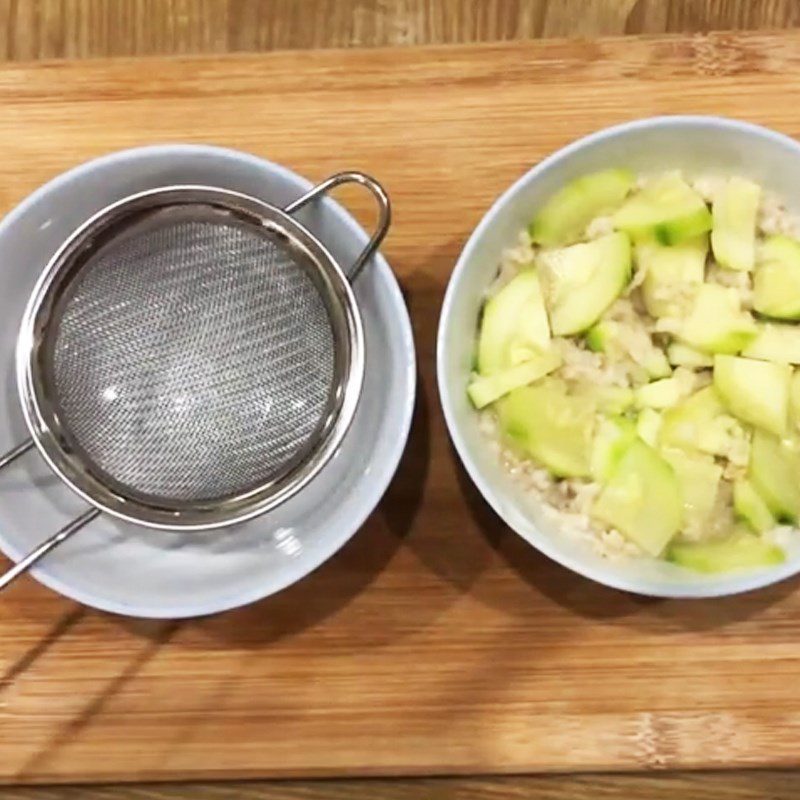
<point x="146" y="573"/>
<point x="699" y="145"/>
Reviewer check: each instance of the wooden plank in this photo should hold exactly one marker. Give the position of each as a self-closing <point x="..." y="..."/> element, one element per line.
<point x="651" y="16"/>
<point x="436" y="641"/>
<point x="37" y="29"/>
<point x="754" y="785"/>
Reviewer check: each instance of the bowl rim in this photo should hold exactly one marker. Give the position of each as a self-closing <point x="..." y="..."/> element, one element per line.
<point x="719" y="586"/>
<point x="378" y="480"/>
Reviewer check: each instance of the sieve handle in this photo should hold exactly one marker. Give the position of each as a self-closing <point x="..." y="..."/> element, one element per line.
<point x="384" y="211"/>
<point x="13" y="455"/>
<point x="56" y="539"/>
<point x="46" y="546"/>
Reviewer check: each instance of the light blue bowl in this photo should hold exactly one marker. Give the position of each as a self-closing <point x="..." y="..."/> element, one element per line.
<point x="145" y="573"/>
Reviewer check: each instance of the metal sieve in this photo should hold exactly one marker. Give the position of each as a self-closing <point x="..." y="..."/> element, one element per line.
<point x="191" y="357"/>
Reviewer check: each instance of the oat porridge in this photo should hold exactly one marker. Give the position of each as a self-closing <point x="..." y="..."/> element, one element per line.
<point x="634" y="367"/>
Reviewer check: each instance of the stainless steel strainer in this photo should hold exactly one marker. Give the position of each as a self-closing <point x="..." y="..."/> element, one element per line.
<point x="191" y="357"/>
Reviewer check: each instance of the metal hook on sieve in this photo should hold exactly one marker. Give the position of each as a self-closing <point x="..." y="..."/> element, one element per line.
<point x="45" y="547"/>
<point x="384" y="211"/>
<point x="56" y="539"/>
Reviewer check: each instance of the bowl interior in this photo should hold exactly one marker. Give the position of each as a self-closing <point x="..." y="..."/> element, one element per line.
<point x="152" y="573"/>
<point x="698" y="145"/>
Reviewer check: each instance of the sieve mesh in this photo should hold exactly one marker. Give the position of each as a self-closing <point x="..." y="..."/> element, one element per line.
<point x="193" y="358"/>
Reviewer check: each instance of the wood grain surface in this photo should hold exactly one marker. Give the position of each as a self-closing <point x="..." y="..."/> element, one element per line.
<point x="34" y="29"/>
<point x="436" y="641"/>
<point x="742" y="785"/>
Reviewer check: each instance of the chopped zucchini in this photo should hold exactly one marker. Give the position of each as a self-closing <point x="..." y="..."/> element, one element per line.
<point x="550" y="425"/>
<point x="642" y="499"/>
<point x="741" y="550"/>
<point x="794" y="402"/>
<point x="750" y="506"/>
<point x="485" y="389"/>
<point x="775" y="342"/>
<point x="668" y="273"/>
<point x="716" y="322"/>
<point x="602" y="337"/>
<point x="666" y="392"/>
<point x="613" y="437"/>
<point x="756" y="392"/>
<point x="564" y="217"/>
<point x="584" y="281"/>
<point x="774" y="470"/>
<point x="667" y="209"/>
<point x="681" y="355"/>
<point x="655" y="362"/>
<point x="514" y="327"/>
<point x="733" y="237"/>
<point x="776" y="283"/>
<point x="684" y="424"/>
<point x="648" y="424"/>
<point x="613" y="400"/>
<point x="701" y="423"/>
<point x="699" y="478"/>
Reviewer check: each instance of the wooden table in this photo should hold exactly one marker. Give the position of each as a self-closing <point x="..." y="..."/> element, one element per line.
<point x="37" y="29"/>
